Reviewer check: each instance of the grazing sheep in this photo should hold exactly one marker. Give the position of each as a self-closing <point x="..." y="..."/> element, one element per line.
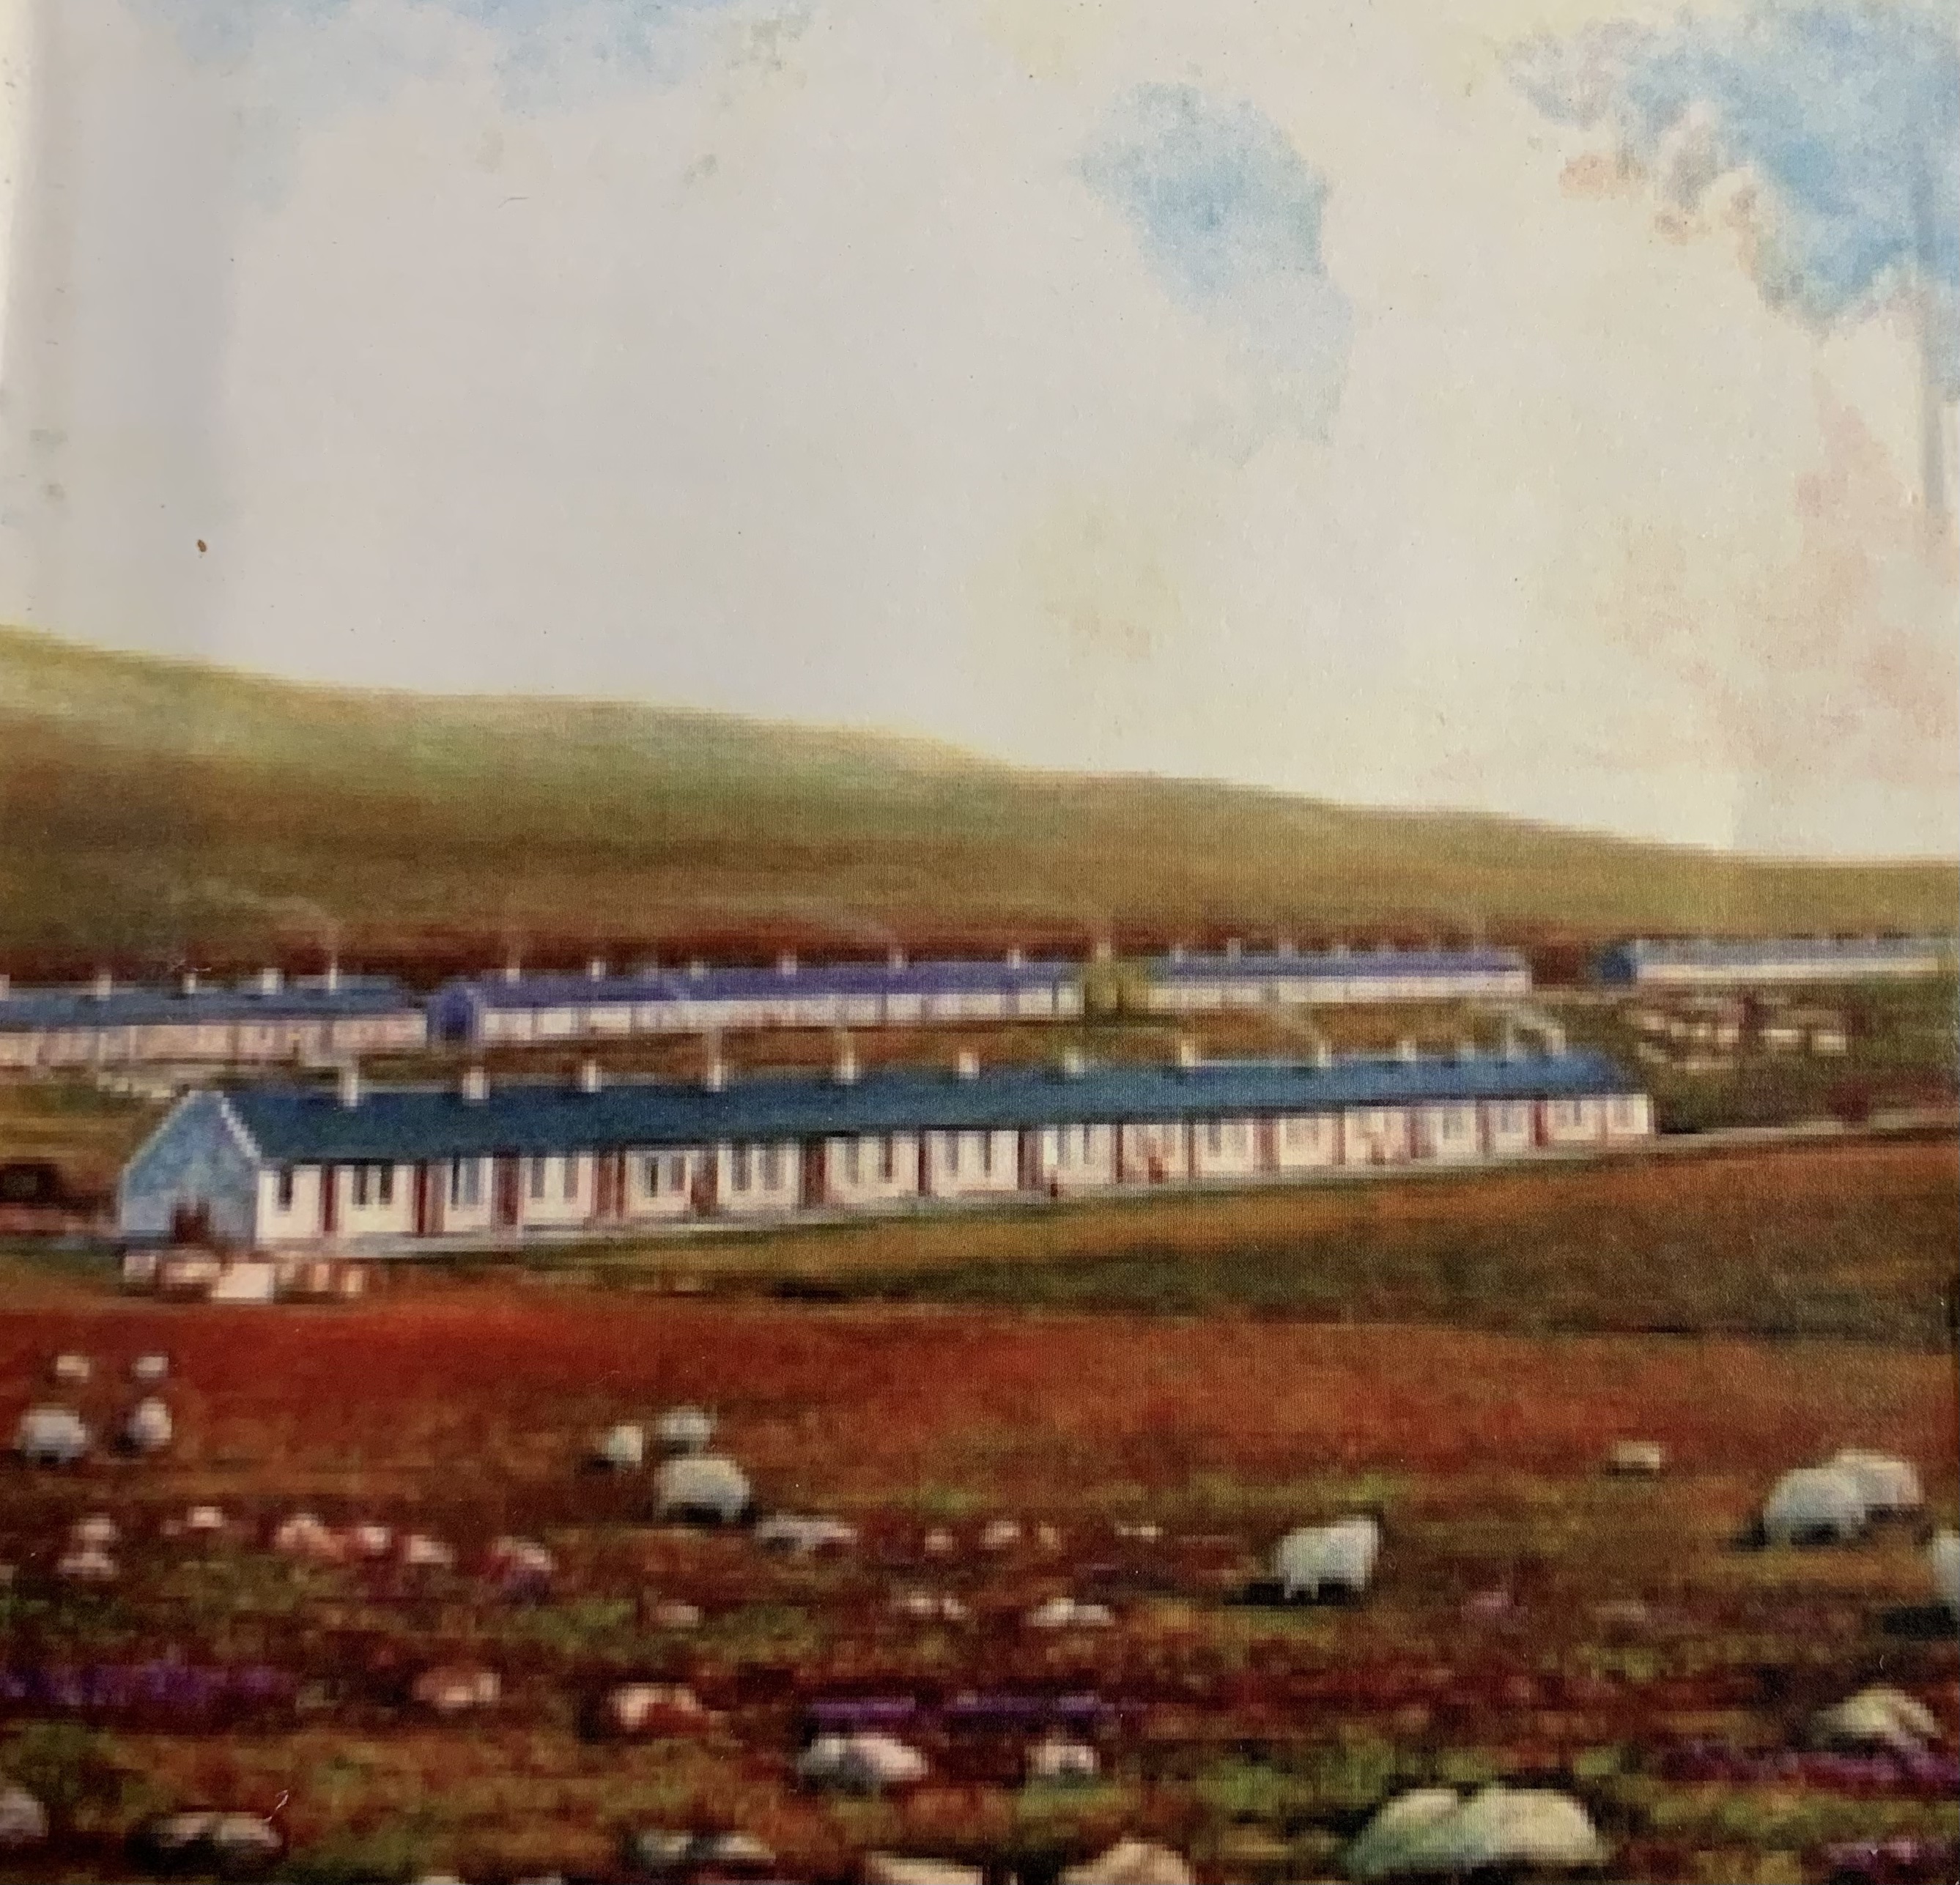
<point x="1888" y="1485"/>
<point x="804" y="1536"/>
<point x="521" y="1567"/>
<point x="1000" y="1534"/>
<point x="24" y="1820"/>
<point x="672" y="1613"/>
<point x="1068" y="1612"/>
<point x="1146" y="1533"/>
<point x="928" y="1607"/>
<point x="1319" y="1558"/>
<point x="653" y="1708"/>
<point x="455" y="1689"/>
<point x="685" y="1430"/>
<point x="1877" y="1718"/>
<point x="1056" y="1760"/>
<point x="147" y="1370"/>
<point x="305" y="1536"/>
<point x="95" y="1528"/>
<point x="1131" y="1862"/>
<point x="1432" y="1831"/>
<point x="889" y="1868"/>
<point x="419" y="1552"/>
<point x="723" y="1853"/>
<point x="51" y="1436"/>
<point x="149" y="1428"/>
<point x="702" y="1488"/>
<point x="369" y="1539"/>
<point x="1943" y="1555"/>
<point x="225" y="1843"/>
<point x="939" y="1543"/>
<point x="70" y="1370"/>
<point x="86" y="1564"/>
<point x="865" y="1763"/>
<point x="1640" y="1459"/>
<point x="621" y="1448"/>
<point x="1813" y="1504"/>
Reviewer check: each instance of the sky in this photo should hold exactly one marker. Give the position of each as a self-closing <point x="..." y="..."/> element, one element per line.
<point x="1538" y="406"/>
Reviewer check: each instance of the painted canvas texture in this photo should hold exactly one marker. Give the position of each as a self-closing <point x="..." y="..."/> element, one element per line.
<point x="1013" y="942"/>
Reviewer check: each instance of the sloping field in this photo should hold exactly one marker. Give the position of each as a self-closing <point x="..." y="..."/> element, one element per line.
<point x="153" y="808"/>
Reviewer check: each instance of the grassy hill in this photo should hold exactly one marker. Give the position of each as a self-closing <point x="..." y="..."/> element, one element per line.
<point x="151" y="809"/>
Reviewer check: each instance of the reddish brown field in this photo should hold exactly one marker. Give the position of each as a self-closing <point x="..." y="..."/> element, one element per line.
<point x="1533" y="1617"/>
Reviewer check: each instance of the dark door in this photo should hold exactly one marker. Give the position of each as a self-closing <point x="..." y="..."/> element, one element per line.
<point x="813" y="1193"/>
<point x="428" y="1200"/>
<point x="190" y="1223"/>
<point x="329" y="1200"/>
<point x="506" y="1193"/>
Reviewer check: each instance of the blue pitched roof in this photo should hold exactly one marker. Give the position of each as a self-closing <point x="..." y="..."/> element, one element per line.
<point x="1331" y="966"/>
<point x="1827" y="952"/>
<point x="139" y="1005"/>
<point x="807" y="980"/>
<point x="294" y="1124"/>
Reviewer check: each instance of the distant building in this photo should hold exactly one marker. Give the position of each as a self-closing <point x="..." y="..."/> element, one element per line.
<point x="1743" y="964"/>
<point x="1182" y="985"/>
<point x="515" y="1009"/>
<point x="266" y="1020"/>
<point x="269" y="1166"/>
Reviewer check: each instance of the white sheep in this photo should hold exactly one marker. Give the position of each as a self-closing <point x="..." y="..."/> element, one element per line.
<point x="1319" y="1558"/>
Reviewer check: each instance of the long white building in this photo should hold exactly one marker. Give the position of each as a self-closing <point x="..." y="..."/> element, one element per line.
<point x="294" y="1167"/>
<point x="1189" y="984"/>
<point x="1744" y="963"/>
<point x="266" y="1020"/>
<point x="514" y="1010"/>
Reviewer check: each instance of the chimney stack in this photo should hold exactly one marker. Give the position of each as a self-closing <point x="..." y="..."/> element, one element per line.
<point x="1405" y="1051"/>
<point x="475" y="1086"/>
<point x="104" y="985"/>
<point x="1073" y="1065"/>
<point x="697" y="969"/>
<point x="6" y="986"/>
<point x="1285" y="946"/>
<point x="1104" y="950"/>
<point x="190" y="981"/>
<point x="1234" y="949"/>
<point x="589" y="1078"/>
<point x="350" y="1084"/>
<point x="514" y="971"/>
<point x="1177" y="952"/>
<point x="846" y="1069"/>
<point x="269" y="980"/>
<point x="333" y="974"/>
<point x="714" y="1076"/>
<point x="595" y="970"/>
<point x="1555" y="1038"/>
<point x="1017" y="958"/>
<point x="1187" y="1053"/>
<point x="1323" y="1056"/>
<point x="786" y="963"/>
<point x="969" y="1065"/>
<point x="895" y="958"/>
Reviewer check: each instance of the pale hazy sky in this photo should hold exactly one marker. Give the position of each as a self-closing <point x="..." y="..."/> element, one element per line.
<point x="1482" y="402"/>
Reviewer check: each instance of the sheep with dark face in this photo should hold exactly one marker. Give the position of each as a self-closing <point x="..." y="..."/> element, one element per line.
<point x="149" y="1428"/>
<point x="1814" y="1505"/>
<point x="701" y="1489"/>
<point x="51" y="1436"/>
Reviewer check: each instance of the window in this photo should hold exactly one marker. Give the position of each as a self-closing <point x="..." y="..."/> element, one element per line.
<point x="953" y="1142"/>
<point x="465" y="1183"/>
<point x="773" y="1168"/>
<point x="571" y="1185"/>
<point x="677" y="1176"/>
<point x="384" y="1184"/>
<point x="285" y="1193"/>
<point x="888" y="1158"/>
<point x="853" y="1160"/>
<point x="360" y="1181"/>
<point x="652" y="1180"/>
<point x="1215" y="1135"/>
<point x="987" y="1154"/>
<point x="538" y="1177"/>
<point x="1088" y="1142"/>
<point x="738" y="1169"/>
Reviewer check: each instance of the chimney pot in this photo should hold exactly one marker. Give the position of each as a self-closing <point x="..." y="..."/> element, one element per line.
<point x="589" y="1078"/>
<point x="1187" y="1054"/>
<point x="595" y="970"/>
<point x="1017" y="959"/>
<point x="476" y="1087"/>
<point x="715" y="1077"/>
<point x="104" y="984"/>
<point x="1073" y="1065"/>
<point x="697" y="968"/>
<point x="350" y="1084"/>
<point x="333" y="974"/>
<point x="896" y="959"/>
<point x="269" y="980"/>
<point x="1405" y="1051"/>
<point x="969" y="1066"/>
<point x="786" y="963"/>
<point x="190" y="981"/>
<point x="846" y="1070"/>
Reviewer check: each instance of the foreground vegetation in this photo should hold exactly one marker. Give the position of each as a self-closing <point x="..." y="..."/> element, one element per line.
<point x="1534" y="1618"/>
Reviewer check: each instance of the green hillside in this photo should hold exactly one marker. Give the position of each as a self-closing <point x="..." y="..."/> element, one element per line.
<point x="149" y="809"/>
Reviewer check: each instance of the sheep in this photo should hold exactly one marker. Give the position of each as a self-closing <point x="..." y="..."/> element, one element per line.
<point x="70" y="1370"/>
<point x="1812" y="1503"/>
<point x="87" y="1564"/>
<point x="670" y="1613"/>
<point x="1942" y="1555"/>
<point x="419" y="1552"/>
<point x="864" y="1763"/>
<point x="457" y="1688"/>
<point x="804" y="1536"/>
<point x="1433" y="1831"/>
<point x="701" y="1487"/>
<point x="51" y="1436"/>
<point x="24" y="1820"/>
<point x="1131" y="1862"/>
<point x="652" y="1708"/>
<point x="1318" y="1558"/>
<point x="1875" y="1717"/>
<point x="368" y="1539"/>
<point x="149" y="1428"/>
<point x="1000" y="1534"/>
<point x="304" y="1536"/>
<point x="1641" y="1459"/>
<point x="1056" y="1760"/>
<point x="1068" y="1612"/>
<point x="1889" y="1486"/>
<point x="890" y="1868"/>
<point x="224" y="1843"/>
<point x="96" y="1529"/>
<point x="681" y="1430"/>
<point x="148" y="1370"/>
<point x="621" y="1448"/>
<point x="927" y="1606"/>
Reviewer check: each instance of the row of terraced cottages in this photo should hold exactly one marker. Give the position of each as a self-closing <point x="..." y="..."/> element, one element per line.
<point x="266" y="1020"/>
<point x="1755" y="962"/>
<point x="515" y="1008"/>
<point x="286" y="1166"/>
<point x="1181" y="983"/>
